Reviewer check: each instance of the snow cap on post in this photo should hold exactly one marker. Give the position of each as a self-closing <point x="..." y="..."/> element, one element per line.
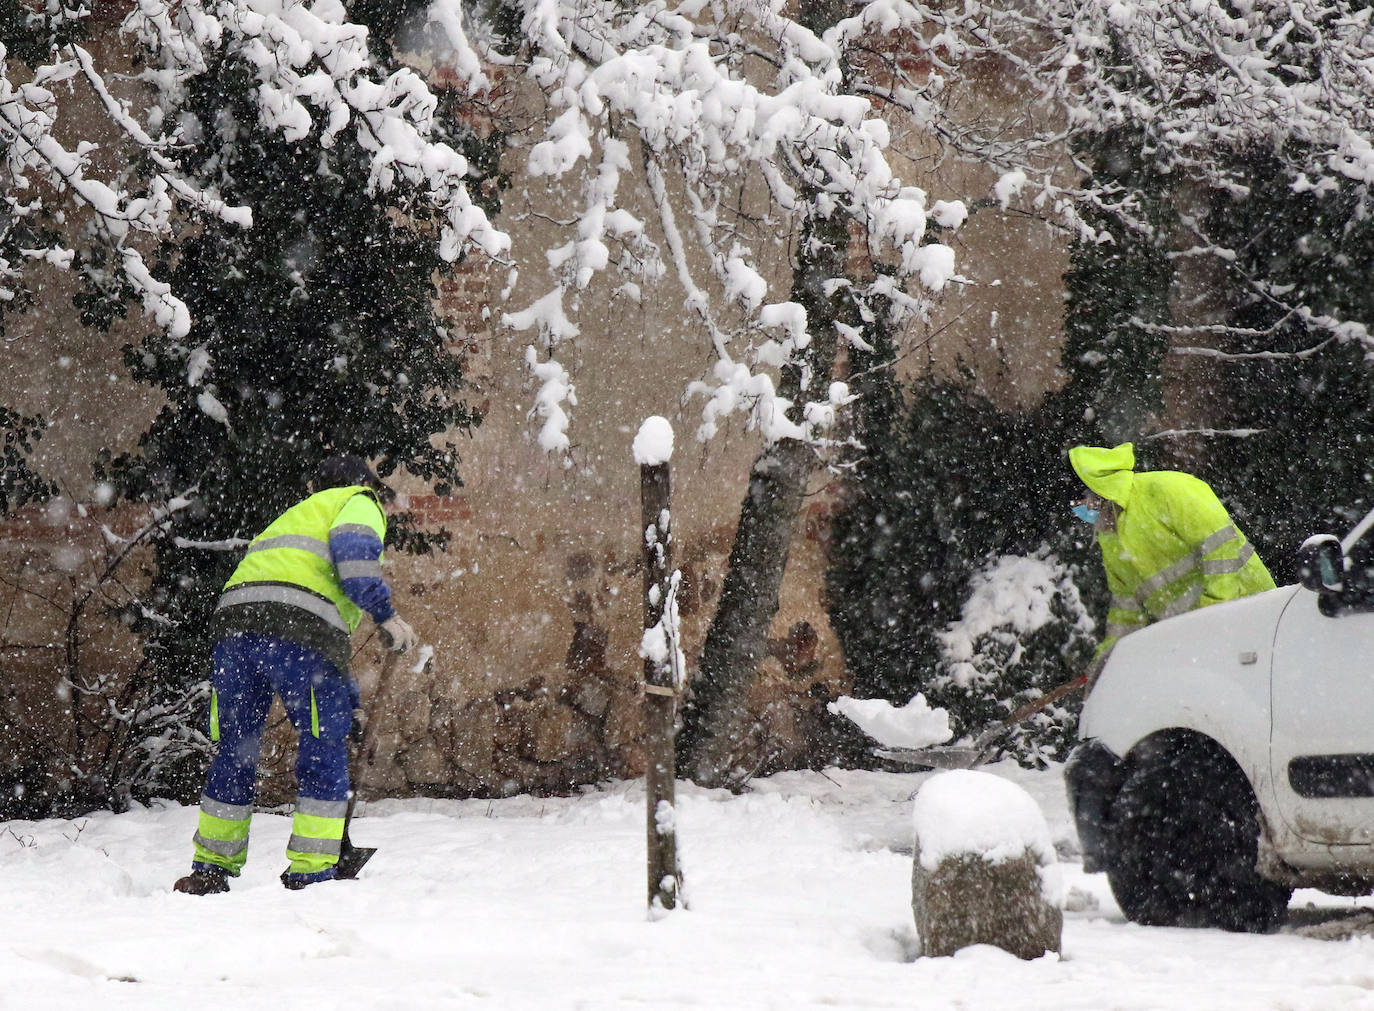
<point x="980" y="814"/>
<point x="653" y="444"/>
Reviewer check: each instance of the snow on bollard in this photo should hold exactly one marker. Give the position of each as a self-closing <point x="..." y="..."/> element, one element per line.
<point x="653" y="444"/>
<point x="985" y="870"/>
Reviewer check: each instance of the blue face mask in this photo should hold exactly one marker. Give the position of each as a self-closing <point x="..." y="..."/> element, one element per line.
<point x="1086" y="513"/>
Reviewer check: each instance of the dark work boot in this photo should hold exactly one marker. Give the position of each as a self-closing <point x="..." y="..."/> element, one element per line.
<point x="296" y="881"/>
<point x="203" y="880"/>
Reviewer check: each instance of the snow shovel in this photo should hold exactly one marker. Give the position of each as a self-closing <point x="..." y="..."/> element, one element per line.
<point x="353" y="858"/>
<point x="983" y="747"/>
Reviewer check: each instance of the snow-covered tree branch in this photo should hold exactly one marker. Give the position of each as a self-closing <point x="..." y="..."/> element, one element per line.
<point x="313" y="74"/>
<point x="721" y="99"/>
<point x="1201" y="91"/>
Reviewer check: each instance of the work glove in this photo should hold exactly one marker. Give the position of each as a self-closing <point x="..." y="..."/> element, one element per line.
<point x="358" y="728"/>
<point x="397" y="635"/>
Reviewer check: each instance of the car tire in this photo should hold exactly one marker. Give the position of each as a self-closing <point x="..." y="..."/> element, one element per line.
<point x="1184" y="836"/>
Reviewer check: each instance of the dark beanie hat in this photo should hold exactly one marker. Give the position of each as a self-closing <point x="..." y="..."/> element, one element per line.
<point x="344" y="470"/>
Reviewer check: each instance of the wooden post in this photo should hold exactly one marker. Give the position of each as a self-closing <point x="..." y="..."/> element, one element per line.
<point x="660" y="651"/>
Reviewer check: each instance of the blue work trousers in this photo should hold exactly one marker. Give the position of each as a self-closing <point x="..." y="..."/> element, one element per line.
<point x="319" y="699"/>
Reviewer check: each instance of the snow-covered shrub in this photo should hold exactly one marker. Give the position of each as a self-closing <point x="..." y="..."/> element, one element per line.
<point x="949" y="485"/>
<point x="278" y="189"/>
<point x="314" y="330"/>
<point x="1023" y="630"/>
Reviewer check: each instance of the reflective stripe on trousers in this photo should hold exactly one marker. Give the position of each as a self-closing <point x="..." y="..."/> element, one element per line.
<point x="316" y="835"/>
<point x="221" y="837"/>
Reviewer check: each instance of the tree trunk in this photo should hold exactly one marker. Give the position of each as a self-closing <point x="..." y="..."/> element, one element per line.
<point x="715" y="741"/>
<point x="716" y="746"/>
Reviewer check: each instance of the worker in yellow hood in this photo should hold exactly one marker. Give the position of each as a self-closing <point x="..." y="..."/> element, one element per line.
<point x="1168" y="544"/>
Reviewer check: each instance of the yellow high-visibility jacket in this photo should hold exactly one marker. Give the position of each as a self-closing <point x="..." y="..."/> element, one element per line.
<point x="291" y="582"/>
<point x="1174" y="547"/>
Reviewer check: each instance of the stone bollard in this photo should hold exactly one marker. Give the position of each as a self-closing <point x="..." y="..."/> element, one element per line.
<point x="985" y="870"/>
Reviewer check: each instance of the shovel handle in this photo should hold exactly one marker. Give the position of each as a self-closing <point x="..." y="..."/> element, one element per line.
<point x="1031" y="708"/>
<point x="363" y="755"/>
<point x="1053" y="695"/>
<point x="373" y="723"/>
<point x="352" y="858"/>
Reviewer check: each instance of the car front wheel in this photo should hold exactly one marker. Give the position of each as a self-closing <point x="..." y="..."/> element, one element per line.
<point x="1184" y="840"/>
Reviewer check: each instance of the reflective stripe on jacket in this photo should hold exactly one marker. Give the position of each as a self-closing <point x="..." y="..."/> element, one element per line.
<point x="1174" y="547"/>
<point x="291" y="562"/>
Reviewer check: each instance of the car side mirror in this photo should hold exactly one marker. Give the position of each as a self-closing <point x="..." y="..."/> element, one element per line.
<point x="1321" y="566"/>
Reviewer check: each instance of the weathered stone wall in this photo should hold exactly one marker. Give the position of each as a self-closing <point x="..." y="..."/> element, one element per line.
<point x="535" y="679"/>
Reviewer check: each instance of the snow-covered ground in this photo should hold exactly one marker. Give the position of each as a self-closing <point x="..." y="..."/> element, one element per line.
<point x="799" y="897"/>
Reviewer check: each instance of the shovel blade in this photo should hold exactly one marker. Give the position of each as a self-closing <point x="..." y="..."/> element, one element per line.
<point x="935" y="758"/>
<point x="352" y="859"/>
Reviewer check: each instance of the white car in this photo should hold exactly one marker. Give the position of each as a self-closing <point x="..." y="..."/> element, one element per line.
<point x="1227" y="754"/>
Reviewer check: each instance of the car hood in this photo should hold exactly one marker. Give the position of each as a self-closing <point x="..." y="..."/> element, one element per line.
<point x="1173" y="672"/>
<point x="1247" y="623"/>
